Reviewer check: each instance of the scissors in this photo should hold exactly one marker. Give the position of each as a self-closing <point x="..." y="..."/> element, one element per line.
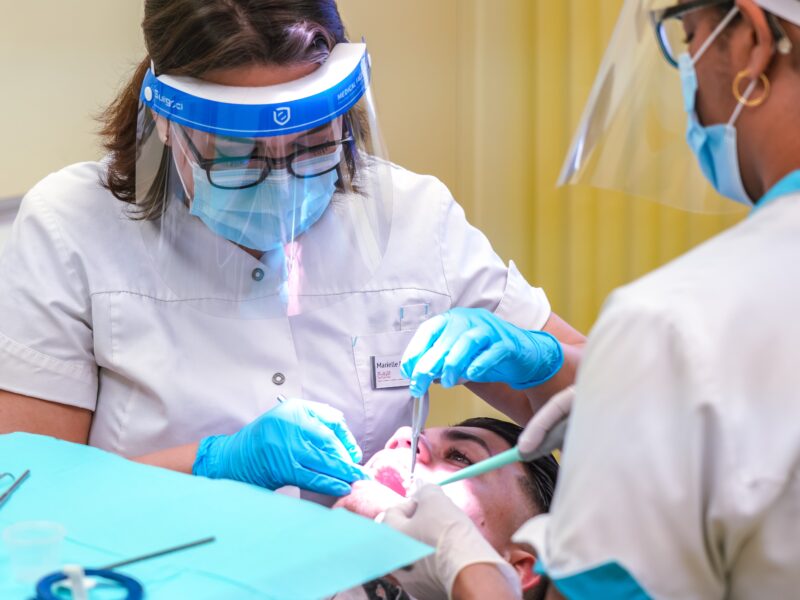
<point x="418" y="413"/>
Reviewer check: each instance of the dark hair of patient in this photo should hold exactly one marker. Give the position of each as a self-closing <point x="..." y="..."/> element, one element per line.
<point x="539" y="483"/>
<point x="541" y="473"/>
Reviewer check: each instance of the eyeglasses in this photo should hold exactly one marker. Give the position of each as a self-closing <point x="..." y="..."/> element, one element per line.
<point x="251" y="170"/>
<point x="672" y="37"/>
<point x="669" y="28"/>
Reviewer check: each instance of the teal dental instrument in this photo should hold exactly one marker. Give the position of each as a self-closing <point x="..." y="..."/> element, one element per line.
<point x="543" y="434"/>
<point x="552" y="441"/>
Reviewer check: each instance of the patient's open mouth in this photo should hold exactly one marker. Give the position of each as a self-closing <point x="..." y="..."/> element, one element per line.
<point x="391" y="479"/>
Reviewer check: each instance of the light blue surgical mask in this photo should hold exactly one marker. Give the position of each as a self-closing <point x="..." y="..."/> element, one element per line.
<point x="714" y="146"/>
<point x="263" y="216"/>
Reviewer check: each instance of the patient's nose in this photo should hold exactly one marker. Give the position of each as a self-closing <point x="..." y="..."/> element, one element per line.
<point x="402" y="439"/>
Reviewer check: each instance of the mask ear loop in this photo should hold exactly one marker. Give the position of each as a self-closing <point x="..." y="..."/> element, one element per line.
<point x="715" y="34"/>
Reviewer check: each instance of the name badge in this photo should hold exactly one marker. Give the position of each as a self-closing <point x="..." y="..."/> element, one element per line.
<point x="386" y="373"/>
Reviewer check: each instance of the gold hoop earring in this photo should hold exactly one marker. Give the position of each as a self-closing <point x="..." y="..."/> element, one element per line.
<point x="750" y="102"/>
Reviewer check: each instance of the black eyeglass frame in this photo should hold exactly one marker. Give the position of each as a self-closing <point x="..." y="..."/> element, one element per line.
<point x="659" y="16"/>
<point x="269" y="163"/>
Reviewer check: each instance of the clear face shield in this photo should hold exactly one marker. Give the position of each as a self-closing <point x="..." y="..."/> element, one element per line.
<point x="632" y="134"/>
<point x="266" y="201"/>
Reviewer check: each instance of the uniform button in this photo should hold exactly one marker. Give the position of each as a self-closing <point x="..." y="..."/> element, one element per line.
<point x="278" y="378"/>
<point x="257" y="274"/>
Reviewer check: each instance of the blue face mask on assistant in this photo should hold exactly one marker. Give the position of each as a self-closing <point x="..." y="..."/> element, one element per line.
<point x="714" y="146"/>
<point x="263" y="216"/>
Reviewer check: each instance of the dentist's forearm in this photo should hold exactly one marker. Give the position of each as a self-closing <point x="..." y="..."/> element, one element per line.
<point x="179" y="458"/>
<point x="521" y="405"/>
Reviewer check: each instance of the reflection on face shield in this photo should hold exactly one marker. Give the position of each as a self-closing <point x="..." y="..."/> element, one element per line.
<point x="632" y="135"/>
<point x="255" y="205"/>
<point x="262" y="216"/>
<point x="220" y="152"/>
<point x="227" y="173"/>
<point x="265" y="215"/>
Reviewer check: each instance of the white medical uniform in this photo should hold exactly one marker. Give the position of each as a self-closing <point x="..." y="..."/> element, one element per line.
<point x="86" y="320"/>
<point x="681" y="470"/>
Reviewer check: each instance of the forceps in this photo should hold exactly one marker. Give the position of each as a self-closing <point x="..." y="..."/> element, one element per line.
<point x="418" y="413"/>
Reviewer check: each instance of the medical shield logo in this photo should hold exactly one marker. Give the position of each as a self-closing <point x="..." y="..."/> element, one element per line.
<point x="282" y="115"/>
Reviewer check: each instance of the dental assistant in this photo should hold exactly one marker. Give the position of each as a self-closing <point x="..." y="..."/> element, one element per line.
<point x="245" y="237"/>
<point x="679" y="476"/>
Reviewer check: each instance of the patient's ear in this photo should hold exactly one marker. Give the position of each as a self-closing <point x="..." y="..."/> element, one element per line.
<point x="523" y="562"/>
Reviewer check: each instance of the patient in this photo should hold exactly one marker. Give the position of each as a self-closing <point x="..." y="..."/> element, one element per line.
<point x="498" y="502"/>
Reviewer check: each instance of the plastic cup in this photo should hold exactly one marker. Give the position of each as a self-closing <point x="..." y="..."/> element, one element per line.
<point x="34" y="549"/>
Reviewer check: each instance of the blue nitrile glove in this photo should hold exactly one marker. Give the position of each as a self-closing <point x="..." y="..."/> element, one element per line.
<point x="474" y="344"/>
<point x="299" y="442"/>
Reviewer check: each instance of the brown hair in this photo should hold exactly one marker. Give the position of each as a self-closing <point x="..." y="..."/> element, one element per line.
<point x="194" y="37"/>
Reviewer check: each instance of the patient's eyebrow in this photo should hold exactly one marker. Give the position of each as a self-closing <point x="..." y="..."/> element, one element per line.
<point x="459" y="435"/>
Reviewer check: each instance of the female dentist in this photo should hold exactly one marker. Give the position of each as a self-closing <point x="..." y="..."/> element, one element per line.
<point x="245" y="238"/>
<point x="679" y="477"/>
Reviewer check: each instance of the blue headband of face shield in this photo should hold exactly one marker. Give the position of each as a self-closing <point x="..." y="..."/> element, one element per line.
<point x="291" y="107"/>
<point x="239" y="202"/>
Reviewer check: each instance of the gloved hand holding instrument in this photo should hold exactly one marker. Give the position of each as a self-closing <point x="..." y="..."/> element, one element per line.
<point x="431" y="517"/>
<point x="298" y="442"/>
<point x="477" y="345"/>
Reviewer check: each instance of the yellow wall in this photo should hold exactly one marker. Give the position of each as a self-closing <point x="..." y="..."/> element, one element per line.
<point x="60" y="63"/>
<point x="517" y="74"/>
<point x="484" y="94"/>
